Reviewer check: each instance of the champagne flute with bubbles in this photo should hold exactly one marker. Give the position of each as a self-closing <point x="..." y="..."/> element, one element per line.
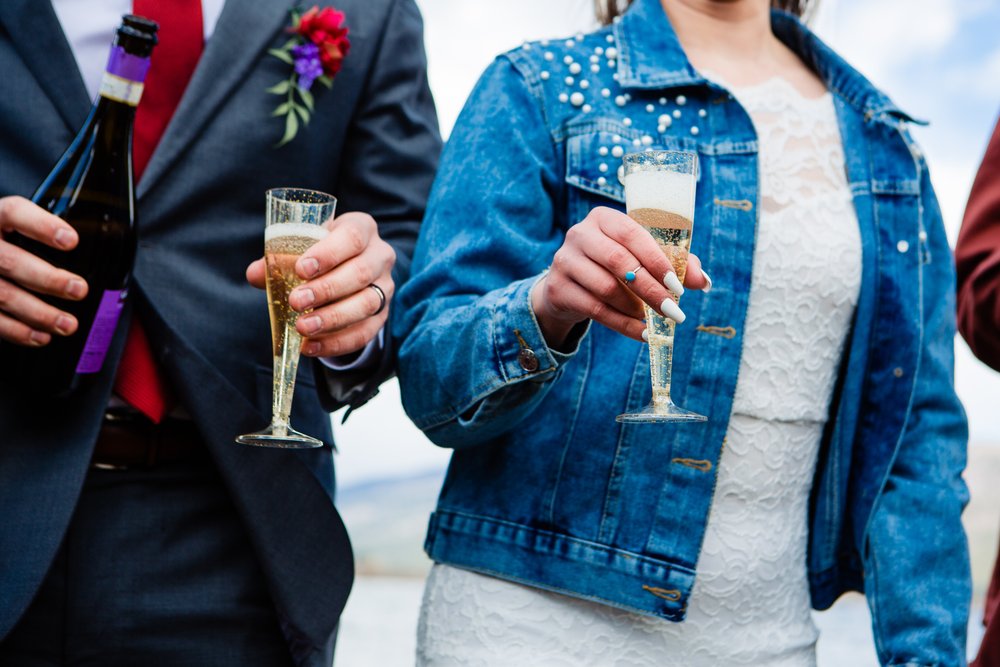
<point x="659" y="195"/>
<point x="294" y="223"/>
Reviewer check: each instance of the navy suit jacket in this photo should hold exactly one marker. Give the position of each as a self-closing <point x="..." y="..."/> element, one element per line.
<point x="372" y="141"/>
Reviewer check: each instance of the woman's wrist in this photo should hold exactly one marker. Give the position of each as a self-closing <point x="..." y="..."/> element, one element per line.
<point x="555" y="330"/>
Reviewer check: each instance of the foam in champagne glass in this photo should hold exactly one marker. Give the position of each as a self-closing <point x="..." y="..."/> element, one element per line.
<point x="317" y="232"/>
<point x="664" y="190"/>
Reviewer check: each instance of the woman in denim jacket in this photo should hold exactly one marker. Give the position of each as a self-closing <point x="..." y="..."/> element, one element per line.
<point x="822" y="355"/>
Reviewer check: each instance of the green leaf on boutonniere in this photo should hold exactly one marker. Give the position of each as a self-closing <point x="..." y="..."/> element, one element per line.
<point x="307" y="97"/>
<point x="302" y="111"/>
<point x="282" y="109"/>
<point x="283" y="56"/>
<point x="326" y="81"/>
<point x="291" y="127"/>
<point x="279" y="88"/>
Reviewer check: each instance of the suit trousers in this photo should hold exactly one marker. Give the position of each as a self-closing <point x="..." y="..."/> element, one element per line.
<point x="156" y="569"/>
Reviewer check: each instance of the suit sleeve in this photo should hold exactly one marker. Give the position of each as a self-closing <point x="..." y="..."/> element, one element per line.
<point x="389" y="162"/>
<point x="977" y="257"/>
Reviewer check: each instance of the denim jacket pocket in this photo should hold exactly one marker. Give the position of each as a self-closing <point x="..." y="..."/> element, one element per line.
<point x="594" y="151"/>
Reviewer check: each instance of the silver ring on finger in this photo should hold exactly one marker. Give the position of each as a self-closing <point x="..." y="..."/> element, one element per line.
<point x="630" y="275"/>
<point x="381" y="297"/>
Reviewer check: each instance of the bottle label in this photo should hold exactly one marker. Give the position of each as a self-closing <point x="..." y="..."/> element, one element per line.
<point x="123" y="76"/>
<point x="102" y="331"/>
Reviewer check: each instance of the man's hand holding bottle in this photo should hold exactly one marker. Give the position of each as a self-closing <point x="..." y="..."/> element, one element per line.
<point x="25" y="319"/>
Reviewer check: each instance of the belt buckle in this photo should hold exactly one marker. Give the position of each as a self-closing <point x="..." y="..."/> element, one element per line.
<point x="112" y="416"/>
<point x="107" y="466"/>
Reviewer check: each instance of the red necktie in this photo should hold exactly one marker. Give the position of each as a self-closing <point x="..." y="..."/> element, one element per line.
<point x="181" y="39"/>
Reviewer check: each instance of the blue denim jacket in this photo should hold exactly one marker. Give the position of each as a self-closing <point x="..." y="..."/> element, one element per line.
<point x="544" y="486"/>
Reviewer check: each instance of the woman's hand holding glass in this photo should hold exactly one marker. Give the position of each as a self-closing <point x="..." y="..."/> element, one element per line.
<point x="343" y="310"/>
<point x="587" y="279"/>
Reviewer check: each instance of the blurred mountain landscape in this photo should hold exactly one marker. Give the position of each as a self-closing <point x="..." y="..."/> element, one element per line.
<point x="982" y="516"/>
<point x="387" y="521"/>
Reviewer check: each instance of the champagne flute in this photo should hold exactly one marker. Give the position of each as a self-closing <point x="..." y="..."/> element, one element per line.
<point x="294" y="222"/>
<point x="659" y="195"/>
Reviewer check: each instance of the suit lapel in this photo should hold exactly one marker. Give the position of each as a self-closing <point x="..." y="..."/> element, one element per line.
<point x="243" y="32"/>
<point x="35" y="32"/>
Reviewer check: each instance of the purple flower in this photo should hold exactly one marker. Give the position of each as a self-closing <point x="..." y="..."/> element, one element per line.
<point x="307" y="64"/>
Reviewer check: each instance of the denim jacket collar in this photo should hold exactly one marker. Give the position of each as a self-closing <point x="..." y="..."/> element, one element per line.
<point x="650" y="56"/>
<point x="649" y="53"/>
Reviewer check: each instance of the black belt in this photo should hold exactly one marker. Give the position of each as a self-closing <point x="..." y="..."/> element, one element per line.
<point x="128" y="441"/>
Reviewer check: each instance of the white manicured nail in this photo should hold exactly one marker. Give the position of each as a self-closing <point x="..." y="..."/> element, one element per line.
<point x="708" y="280"/>
<point x="645" y="335"/>
<point x="673" y="284"/>
<point x="672" y="310"/>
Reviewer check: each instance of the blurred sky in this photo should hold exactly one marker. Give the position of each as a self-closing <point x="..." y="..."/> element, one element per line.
<point x="938" y="59"/>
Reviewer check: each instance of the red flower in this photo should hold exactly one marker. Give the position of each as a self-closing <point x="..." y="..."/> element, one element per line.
<point x="325" y="28"/>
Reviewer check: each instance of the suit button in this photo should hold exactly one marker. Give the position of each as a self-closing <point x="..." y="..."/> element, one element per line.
<point x="526" y="357"/>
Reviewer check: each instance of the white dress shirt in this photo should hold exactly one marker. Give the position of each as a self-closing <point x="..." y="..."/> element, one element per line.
<point x="89" y="26"/>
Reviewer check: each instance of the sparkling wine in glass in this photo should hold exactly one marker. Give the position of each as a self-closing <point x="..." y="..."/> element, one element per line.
<point x="659" y="195"/>
<point x="294" y="223"/>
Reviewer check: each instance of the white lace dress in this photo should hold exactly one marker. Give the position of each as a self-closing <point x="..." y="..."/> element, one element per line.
<point x="750" y="601"/>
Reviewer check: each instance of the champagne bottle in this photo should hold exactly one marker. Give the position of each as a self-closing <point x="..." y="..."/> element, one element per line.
<point x="91" y="188"/>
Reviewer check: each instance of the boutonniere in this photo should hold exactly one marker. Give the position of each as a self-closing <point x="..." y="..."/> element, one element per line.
<point x="315" y="52"/>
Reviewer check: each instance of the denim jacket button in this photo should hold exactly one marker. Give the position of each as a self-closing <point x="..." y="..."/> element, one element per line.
<point x="528" y="360"/>
<point x="902" y="246"/>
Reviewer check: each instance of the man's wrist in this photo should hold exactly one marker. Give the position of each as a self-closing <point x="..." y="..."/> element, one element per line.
<point x="359" y="359"/>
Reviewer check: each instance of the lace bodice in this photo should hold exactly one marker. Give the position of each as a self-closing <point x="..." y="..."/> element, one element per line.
<point x="807" y="261"/>
<point x="750" y="601"/>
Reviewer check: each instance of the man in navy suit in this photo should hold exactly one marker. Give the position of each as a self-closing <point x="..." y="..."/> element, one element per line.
<point x="126" y="542"/>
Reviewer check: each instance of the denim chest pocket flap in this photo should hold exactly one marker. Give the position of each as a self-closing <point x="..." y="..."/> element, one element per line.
<point x="594" y="151"/>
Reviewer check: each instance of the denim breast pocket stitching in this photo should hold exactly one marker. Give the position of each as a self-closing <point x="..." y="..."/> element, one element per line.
<point x="585" y="140"/>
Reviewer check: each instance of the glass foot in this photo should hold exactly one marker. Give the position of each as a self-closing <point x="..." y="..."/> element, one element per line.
<point x="286" y="438"/>
<point x="666" y="412"/>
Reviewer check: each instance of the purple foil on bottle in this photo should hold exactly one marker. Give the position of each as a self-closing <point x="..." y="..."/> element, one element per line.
<point x="127" y="66"/>
<point x="101" y="332"/>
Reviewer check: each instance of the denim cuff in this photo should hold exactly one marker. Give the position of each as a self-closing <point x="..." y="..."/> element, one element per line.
<point x="520" y="345"/>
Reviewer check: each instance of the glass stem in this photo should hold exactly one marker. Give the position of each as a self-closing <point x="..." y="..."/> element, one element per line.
<point x="660" y="332"/>
<point x="285" y="368"/>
